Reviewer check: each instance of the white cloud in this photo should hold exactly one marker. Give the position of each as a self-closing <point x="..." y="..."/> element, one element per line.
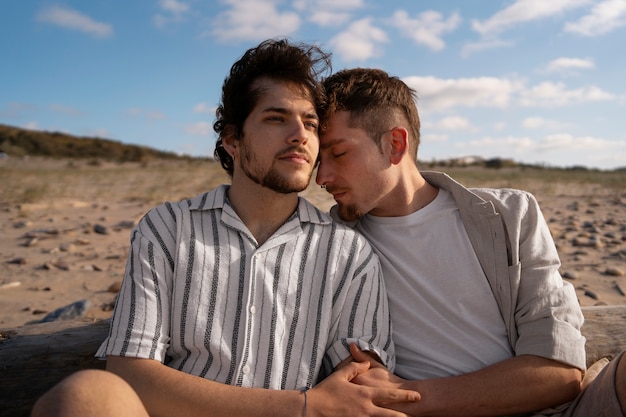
<point x="254" y="20"/>
<point x="359" y="42"/>
<point x="98" y="133"/>
<point x="450" y="123"/>
<point x="538" y="122"/>
<point x="566" y="64"/>
<point x="174" y="6"/>
<point x="437" y="94"/>
<point x="504" y="147"/>
<point x="173" y="11"/>
<point x="199" y="129"/>
<point x="432" y="138"/>
<point x="327" y="13"/>
<point x="32" y="125"/>
<point x="427" y="28"/>
<point x="570" y="142"/>
<point x="562" y="149"/>
<point x="328" y="4"/>
<point x="14" y="110"/>
<point x="524" y="11"/>
<point x="72" y="19"/>
<point x="484" y="45"/>
<point x="204" y="108"/>
<point x="603" y="18"/>
<point x="136" y="112"/>
<point x="548" y="94"/>
<point x="328" y="18"/>
<point x="499" y="126"/>
<point x="66" y="110"/>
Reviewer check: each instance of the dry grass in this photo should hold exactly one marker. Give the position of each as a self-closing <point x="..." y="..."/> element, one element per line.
<point x="544" y="182"/>
<point x="37" y="180"/>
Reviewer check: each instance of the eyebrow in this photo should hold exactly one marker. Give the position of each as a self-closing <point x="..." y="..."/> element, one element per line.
<point x="282" y="110"/>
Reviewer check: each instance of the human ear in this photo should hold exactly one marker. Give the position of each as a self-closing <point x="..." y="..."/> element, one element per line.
<point x="230" y="140"/>
<point x="397" y="144"/>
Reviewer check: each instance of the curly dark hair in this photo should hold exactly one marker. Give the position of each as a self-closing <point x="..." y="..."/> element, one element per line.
<point x="376" y="102"/>
<point x="298" y="63"/>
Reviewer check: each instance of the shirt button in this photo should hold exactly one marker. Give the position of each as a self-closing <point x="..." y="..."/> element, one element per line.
<point x="245" y="369"/>
<point x="252" y="309"/>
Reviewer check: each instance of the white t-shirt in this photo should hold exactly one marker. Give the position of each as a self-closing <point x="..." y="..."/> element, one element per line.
<point x="445" y="319"/>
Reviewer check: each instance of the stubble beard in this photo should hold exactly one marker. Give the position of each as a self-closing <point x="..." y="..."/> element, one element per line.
<point x="272" y="178"/>
<point x="349" y="212"/>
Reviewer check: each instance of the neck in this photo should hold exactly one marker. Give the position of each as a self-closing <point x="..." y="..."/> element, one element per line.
<point x="262" y="210"/>
<point x="409" y="193"/>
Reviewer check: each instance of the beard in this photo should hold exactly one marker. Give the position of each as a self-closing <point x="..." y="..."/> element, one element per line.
<point x="349" y="212"/>
<point x="271" y="178"/>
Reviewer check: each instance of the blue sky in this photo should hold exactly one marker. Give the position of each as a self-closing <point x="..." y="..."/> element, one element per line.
<point x="533" y="80"/>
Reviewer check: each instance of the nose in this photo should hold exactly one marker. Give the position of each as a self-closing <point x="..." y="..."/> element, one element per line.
<point x="300" y="133"/>
<point x="323" y="174"/>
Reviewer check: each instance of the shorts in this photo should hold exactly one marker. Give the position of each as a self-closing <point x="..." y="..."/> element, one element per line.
<point x="599" y="398"/>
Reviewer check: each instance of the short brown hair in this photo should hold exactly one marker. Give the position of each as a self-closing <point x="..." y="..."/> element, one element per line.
<point x="375" y="100"/>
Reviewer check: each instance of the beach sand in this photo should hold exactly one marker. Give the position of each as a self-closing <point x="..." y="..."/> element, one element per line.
<point x="70" y="243"/>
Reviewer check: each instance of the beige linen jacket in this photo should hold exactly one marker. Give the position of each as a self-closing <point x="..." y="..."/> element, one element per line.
<point x="519" y="258"/>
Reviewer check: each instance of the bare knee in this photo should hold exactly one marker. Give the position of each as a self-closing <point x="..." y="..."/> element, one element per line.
<point x="89" y="393"/>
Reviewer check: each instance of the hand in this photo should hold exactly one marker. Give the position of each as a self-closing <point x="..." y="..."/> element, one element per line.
<point x="377" y="375"/>
<point x="338" y="396"/>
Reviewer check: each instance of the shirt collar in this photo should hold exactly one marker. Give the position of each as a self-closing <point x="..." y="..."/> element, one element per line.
<point x="217" y="199"/>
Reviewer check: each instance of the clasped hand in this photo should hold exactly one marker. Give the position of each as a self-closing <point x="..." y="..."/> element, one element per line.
<point x="363" y="387"/>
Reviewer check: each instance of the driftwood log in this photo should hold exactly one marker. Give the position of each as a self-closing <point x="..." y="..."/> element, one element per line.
<point x="35" y="357"/>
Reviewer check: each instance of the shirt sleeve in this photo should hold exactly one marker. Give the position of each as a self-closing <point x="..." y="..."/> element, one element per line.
<point x="548" y="316"/>
<point x="363" y="313"/>
<point x="140" y="323"/>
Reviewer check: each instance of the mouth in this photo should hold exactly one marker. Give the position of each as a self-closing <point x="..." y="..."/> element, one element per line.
<point x="297" y="157"/>
<point x="337" y="194"/>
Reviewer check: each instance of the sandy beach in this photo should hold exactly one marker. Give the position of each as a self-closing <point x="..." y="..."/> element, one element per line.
<point x="65" y="226"/>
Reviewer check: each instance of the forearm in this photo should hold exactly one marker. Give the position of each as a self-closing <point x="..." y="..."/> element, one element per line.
<point x="168" y="392"/>
<point x="517" y="385"/>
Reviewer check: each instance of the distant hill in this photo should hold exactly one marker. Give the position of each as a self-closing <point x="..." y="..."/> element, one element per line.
<point x="21" y="142"/>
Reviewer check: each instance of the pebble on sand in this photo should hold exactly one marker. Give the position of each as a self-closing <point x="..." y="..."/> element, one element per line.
<point x="68" y="312"/>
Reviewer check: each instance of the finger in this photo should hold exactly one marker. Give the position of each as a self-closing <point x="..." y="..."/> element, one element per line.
<point x="352" y="370"/>
<point x="389" y="396"/>
<point x="360" y="355"/>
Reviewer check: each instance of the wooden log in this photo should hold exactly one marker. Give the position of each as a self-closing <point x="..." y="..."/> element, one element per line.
<point x="35" y="357"/>
<point x="605" y="330"/>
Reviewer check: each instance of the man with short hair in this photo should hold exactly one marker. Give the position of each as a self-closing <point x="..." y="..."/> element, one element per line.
<point x="483" y="323"/>
<point x="237" y="301"/>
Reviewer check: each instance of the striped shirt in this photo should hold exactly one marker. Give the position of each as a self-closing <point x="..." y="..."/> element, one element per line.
<point x="200" y="295"/>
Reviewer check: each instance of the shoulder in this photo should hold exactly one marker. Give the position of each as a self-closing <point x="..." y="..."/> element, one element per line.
<point x="341" y="231"/>
<point x="508" y="200"/>
<point x="172" y="212"/>
<point x="502" y="200"/>
<point x="504" y="196"/>
<point x="309" y="213"/>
